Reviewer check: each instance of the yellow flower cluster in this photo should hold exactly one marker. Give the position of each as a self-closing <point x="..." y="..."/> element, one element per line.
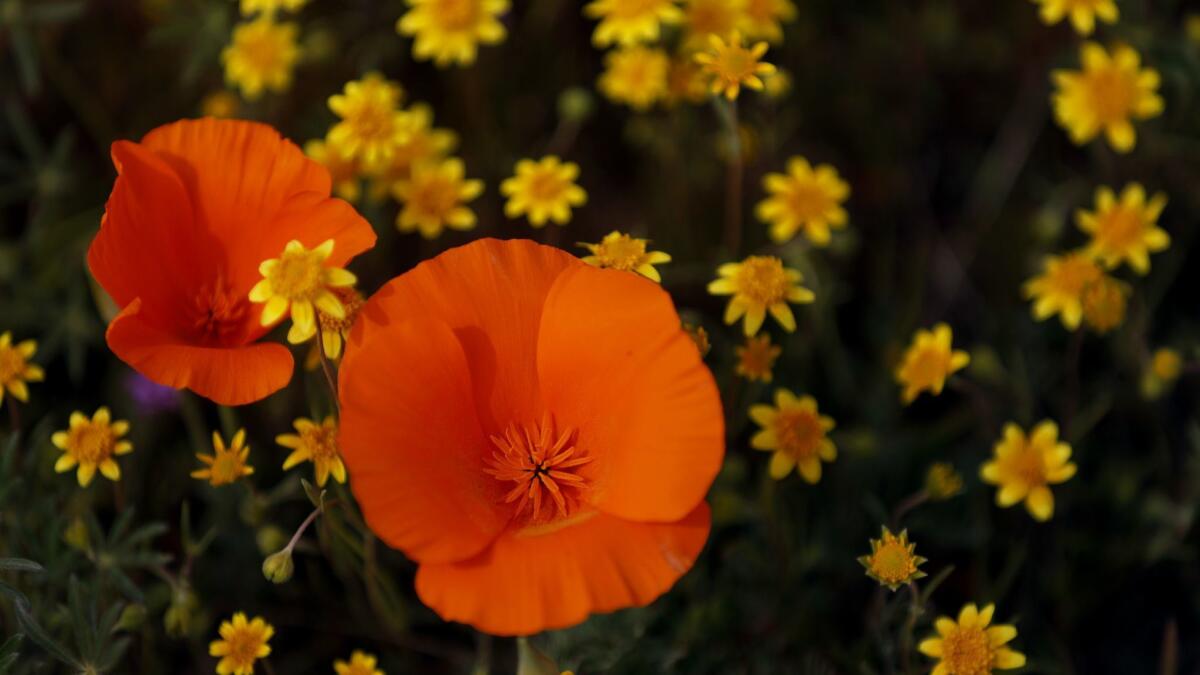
<point x="450" y="32"/>
<point x="262" y="52"/>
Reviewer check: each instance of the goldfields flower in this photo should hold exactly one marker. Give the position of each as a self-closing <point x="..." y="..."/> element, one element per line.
<point x="1109" y="93"/>
<point x="804" y="200"/>
<point x="316" y="443"/>
<point x="702" y="18"/>
<point x="1166" y="364"/>
<point x="764" y="19"/>
<point x="796" y="432"/>
<point x="343" y="172"/>
<point x="1024" y="467"/>
<point x="1059" y="288"/>
<point x="370" y="125"/>
<point x="261" y="56"/>
<point x="360" y="663"/>
<point x="892" y="561"/>
<point x="635" y="76"/>
<point x="450" y="31"/>
<point x="760" y="284"/>
<point x="1125" y="229"/>
<point x="628" y="22"/>
<point x="970" y="646"/>
<point x="756" y="358"/>
<point x="334" y="330"/>
<point x="227" y="464"/>
<point x="928" y="362"/>
<point x="91" y="445"/>
<point x="618" y="251"/>
<point x="435" y="197"/>
<point x="942" y="482"/>
<point x="1082" y="13"/>
<point x="270" y="7"/>
<point x="242" y="643"/>
<point x="422" y="143"/>
<point x="15" y="369"/>
<point x="732" y="66"/>
<point x="297" y="283"/>
<point x="543" y="190"/>
<point x="1104" y="301"/>
<point x="220" y="104"/>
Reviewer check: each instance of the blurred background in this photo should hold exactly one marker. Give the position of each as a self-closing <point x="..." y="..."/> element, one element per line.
<point x="935" y="112"/>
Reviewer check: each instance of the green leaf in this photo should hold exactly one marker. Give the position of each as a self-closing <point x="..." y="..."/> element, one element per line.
<point x="39" y="636"/>
<point x="20" y="565"/>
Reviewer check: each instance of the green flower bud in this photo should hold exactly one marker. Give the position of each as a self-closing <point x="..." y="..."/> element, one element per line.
<point x="278" y="567"/>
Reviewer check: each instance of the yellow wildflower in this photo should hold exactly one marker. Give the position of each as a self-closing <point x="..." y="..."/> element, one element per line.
<point x="796" y="432"/>
<point x="760" y="284"/>
<point x="450" y="31"/>
<point x="543" y="190"/>
<point x="1059" y="288"/>
<point x="1083" y="13"/>
<point x="892" y="561"/>
<point x="928" y="362"/>
<point x="702" y="18"/>
<point x="942" y="482"/>
<point x="764" y="19"/>
<point x="371" y="126"/>
<point x="360" y="663"/>
<point x="15" y="369"/>
<point x="1104" y="302"/>
<point x="620" y="251"/>
<point x="334" y="329"/>
<point x="1125" y="229"/>
<point x="316" y="443"/>
<point x="686" y="81"/>
<point x="226" y="464"/>
<point x="628" y="22"/>
<point x="91" y="445"/>
<point x="251" y="7"/>
<point x="434" y="197"/>
<point x="1109" y="93"/>
<point x="732" y="66"/>
<point x="242" y="643"/>
<point x="1166" y="364"/>
<point x="343" y="172"/>
<point x="635" y="76"/>
<point x="421" y="143"/>
<point x="261" y="55"/>
<point x="804" y="199"/>
<point x="970" y="646"/>
<point x="221" y="104"/>
<point x="297" y="283"/>
<point x="756" y="358"/>
<point x="1026" y="466"/>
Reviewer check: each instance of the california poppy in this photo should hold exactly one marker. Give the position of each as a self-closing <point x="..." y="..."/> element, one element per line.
<point x="197" y="206"/>
<point x="536" y="433"/>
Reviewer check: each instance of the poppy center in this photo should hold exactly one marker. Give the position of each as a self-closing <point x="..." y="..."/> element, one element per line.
<point x="219" y="313"/>
<point x="544" y="469"/>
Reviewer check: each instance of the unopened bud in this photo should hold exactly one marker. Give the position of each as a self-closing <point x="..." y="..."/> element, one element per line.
<point x="278" y="567"/>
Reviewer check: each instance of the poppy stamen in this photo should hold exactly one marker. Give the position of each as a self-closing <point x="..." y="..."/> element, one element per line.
<point x="543" y="468"/>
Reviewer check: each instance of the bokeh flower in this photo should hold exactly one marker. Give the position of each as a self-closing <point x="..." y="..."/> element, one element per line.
<point x="1125" y="229"/>
<point x="196" y="208"/>
<point x="435" y="196"/>
<point x="1082" y="13"/>
<point x="1104" y="302"/>
<point x="91" y="445"/>
<point x="703" y="18"/>
<point x="370" y="125"/>
<point x="1059" y="288"/>
<point x="628" y="22"/>
<point x="298" y="283"/>
<point x="1025" y="466"/>
<point x="971" y="645"/>
<point x="223" y="104"/>
<point x="764" y="19"/>
<point x="942" y="481"/>
<point x="543" y="190"/>
<point x="756" y="358"/>
<point x="893" y="561"/>
<point x="928" y="362"/>
<point x="242" y="643"/>
<point x="360" y="663"/>
<point x="421" y="143"/>
<point x="505" y="368"/>
<point x="270" y="7"/>
<point x="686" y="81"/>
<point x="619" y="251"/>
<point x="731" y="66"/>
<point x="635" y="76"/>
<point x="342" y="171"/>
<point x="316" y="443"/>
<point x="796" y="433"/>
<point x="227" y="464"/>
<point x="450" y="31"/>
<point x="261" y="56"/>
<point x="1166" y="364"/>
<point x="760" y="284"/>
<point x="804" y="200"/>
<point x="1108" y="95"/>
<point x="16" y="371"/>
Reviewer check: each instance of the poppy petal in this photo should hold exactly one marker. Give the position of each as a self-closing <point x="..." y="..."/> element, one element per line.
<point x="615" y="364"/>
<point x="527" y="582"/>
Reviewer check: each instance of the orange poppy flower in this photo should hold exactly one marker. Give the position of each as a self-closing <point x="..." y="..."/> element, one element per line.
<point x="536" y="433"/>
<point x="196" y="207"/>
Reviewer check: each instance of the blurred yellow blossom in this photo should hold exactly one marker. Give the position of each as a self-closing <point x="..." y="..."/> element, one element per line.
<point x="804" y="200"/>
<point x="942" y="482"/>
<point x="1104" y="301"/>
<point x="1108" y="94"/>
<point x="450" y="31"/>
<point x="420" y="143"/>
<point x="1059" y="288"/>
<point x="731" y="65"/>
<point x="756" y="358"/>
<point x="1025" y="466"/>
<point x="261" y="56"/>
<point x="435" y="197"/>
<point x="629" y="22"/>
<point x="242" y="643"/>
<point x="370" y="125"/>
<point x="221" y="104"/>
<point x="892" y="561"/>
<point x="777" y="85"/>
<point x="15" y="369"/>
<point x="91" y="444"/>
<point x="1166" y="364"/>
<point x="1125" y="229"/>
<point x="635" y="76"/>
<point x="970" y="646"/>
<point x="343" y="172"/>
<point x="226" y="464"/>
<point x="316" y="443"/>
<point x="796" y="432"/>
<point x="1082" y="13"/>
<point x="360" y="663"/>
<point x="764" y="19"/>
<point x="760" y="284"/>
<point x="928" y="362"/>
<point x="686" y="81"/>
<point x="270" y="7"/>
<point x="620" y="251"/>
<point x="702" y="18"/>
<point x="543" y="190"/>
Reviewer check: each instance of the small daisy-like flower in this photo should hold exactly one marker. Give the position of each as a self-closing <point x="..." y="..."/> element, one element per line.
<point x="1109" y="93"/>
<point x="543" y="190"/>
<point x="942" y="482"/>
<point x="1026" y="466"/>
<point x="756" y="358"/>
<point x="764" y="19"/>
<point x="635" y="76"/>
<point x="316" y="443"/>
<point x="1166" y="364"/>
<point x="760" y="284"/>
<point x="261" y="56"/>
<point x="227" y="464"/>
<point x="450" y="31"/>
<point x="1104" y="302"/>
<point x="371" y="125"/>
<point x="700" y="337"/>
<point x="618" y="251"/>
<point x="1082" y="13"/>
<point x="334" y="329"/>
<point x="91" y="445"/>
<point x="242" y="643"/>
<point x="360" y="663"/>
<point x="892" y="561"/>
<point x="732" y="66"/>
<point x="928" y="362"/>
<point x="702" y="18"/>
<point x="297" y="283"/>
<point x="434" y="198"/>
<point x="422" y="143"/>
<point x="15" y="369"/>
<point x="628" y="22"/>
<point x="270" y="7"/>
<point x="1125" y="229"/>
<point x="220" y="104"/>
<point x="1059" y="288"/>
<point x="804" y="199"/>
<point x="796" y="432"/>
<point x="343" y="172"/>
<point x="970" y="646"/>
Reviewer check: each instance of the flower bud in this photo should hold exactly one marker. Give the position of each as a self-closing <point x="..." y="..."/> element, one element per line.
<point x="278" y="567"/>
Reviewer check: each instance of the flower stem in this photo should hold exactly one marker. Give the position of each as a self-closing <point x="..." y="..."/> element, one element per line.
<point x="300" y="530"/>
<point x="327" y="368"/>
<point x="733" y="179"/>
